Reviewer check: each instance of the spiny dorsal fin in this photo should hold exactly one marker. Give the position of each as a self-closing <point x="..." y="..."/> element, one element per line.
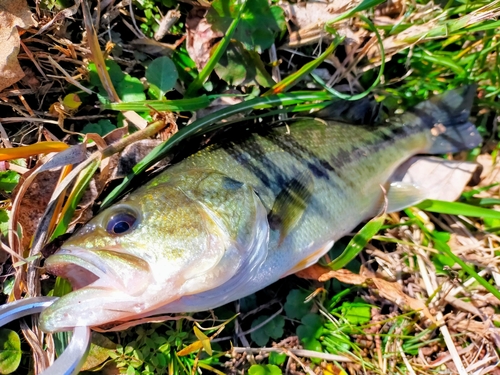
<point x="291" y="203"/>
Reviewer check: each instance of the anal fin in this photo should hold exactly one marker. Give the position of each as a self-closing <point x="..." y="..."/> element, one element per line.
<point x="402" y="195"/>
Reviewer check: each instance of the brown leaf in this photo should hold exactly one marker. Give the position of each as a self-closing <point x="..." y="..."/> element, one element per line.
<point x="392" y="292"/>
<point x="387" y="289"/>
<point x="440" y="179"/>
<point x="314" y="272"/>
<point x="200" y="37"/>
<point x="34" y="203"/>
<point x="343" y="276"/>
<point x="13" y="14"/>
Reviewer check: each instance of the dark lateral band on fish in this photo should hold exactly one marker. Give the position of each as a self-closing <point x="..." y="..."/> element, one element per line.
<point x="240" y="214"/>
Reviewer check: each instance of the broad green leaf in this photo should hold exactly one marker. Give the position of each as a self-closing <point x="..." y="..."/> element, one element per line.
<point x="130" y="89"/>
<point x="272" y="329"/>
<point x="102" y="127"/>
<point x="114" y="70"/>
<point x="264" y="370"/>
<point x="457" y="208"/>
<point x="258" y="25"/>
<point x="358" y="242"/>
<point x="10" y="351"/>
<point x="295" y="307"/>
<point x="100" y="349"/>
<point x="8" y="285"/>
<point x="356" y="312"/>
<point x="8" y="180"/>
<point x="311" y="327"/>
<point x="4" y="222"/>
<point x="239" y="66"/>
<point x="277" y="358"/>
<point x="162" y="74"/>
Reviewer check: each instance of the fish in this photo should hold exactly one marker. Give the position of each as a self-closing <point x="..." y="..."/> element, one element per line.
<point x="239" y="214"/>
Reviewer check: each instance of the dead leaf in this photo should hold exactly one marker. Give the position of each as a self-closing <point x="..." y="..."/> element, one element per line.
<point x="34" y="203"/>
<point x="13" y="14"/>
<point x="310" y="17"/>
<point x="392" y="292"/>
<point x="200" y="37"/>
<point x="387" y="289"/>
<point x="440" y="179"/>
<point x="314" y="272"/>
<point x="343" y="276"/>
<point x="306" y="13"/>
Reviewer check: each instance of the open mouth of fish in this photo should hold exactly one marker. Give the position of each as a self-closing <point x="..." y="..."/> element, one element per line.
<point x="108" y="269"/>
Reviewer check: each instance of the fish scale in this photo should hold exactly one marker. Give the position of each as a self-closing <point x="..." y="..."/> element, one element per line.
<point x="242" y="213"/>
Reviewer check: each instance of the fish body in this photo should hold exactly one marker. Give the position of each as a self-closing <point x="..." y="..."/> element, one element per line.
<point x="238" y="215"/>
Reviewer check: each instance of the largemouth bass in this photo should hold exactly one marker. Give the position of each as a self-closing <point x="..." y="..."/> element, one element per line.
<point x="238" y="215"/>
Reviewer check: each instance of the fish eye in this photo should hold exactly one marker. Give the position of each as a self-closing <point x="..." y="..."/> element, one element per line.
<point x="122" y="223"/>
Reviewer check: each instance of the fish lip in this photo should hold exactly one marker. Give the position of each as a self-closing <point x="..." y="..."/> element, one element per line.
<point x="100" y="268"/>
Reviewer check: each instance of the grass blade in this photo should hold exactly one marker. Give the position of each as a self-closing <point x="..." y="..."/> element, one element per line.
<point x="457" y="208"/>
<point x="292" y="79"/>
<point x="358" y="243"/>
<point x="178" y="105"/>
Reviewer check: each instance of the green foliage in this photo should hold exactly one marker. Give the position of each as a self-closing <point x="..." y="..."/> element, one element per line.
<point x="4" y="222"/>
<point x="251" y="28"/>
<point x="114" y="71"/>
<point x="8" y="180"/>
<point x="152" y="350"/>
<point x="130" y="89"/>
<point x="295" y="305"/>
<point x="100" y="347"/>
<point x="264" y="370"/>
<point x="272" y="329"/>
<point x="161" y="75"/>
<point x="102" y="127"/>
<point x="242" y="67"/>
<point x="10" y="351"/>
<point x="356" y="313"/>
<point x="8" y="284"/>
<point x="151" y="14"/>
<point x="277" y="358"/>
<point x="258" y="26"/>
<point x="310" y="332"/>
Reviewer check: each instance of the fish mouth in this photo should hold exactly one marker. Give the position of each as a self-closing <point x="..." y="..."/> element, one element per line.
<point x="109" y="286"/>
<point x="104" y="268"/>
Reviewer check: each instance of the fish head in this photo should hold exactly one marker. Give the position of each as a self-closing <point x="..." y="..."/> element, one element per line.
<point x="180" y="235"/>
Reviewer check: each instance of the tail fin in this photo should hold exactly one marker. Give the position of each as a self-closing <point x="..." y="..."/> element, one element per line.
<point x="447" y="116"/>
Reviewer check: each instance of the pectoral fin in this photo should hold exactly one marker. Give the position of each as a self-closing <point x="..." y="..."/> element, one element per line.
<point x="291" y="203"/>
